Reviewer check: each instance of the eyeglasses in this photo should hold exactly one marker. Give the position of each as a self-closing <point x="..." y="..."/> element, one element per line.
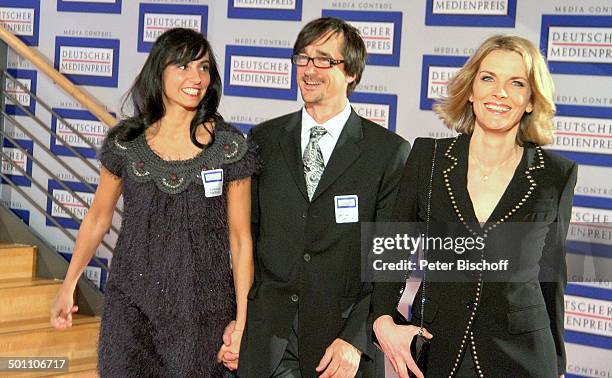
<point x="318" y="61"/>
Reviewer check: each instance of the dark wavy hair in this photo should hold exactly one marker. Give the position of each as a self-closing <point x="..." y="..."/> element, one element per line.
<point x="354" y="49"/>
<point x="175" y="46"/>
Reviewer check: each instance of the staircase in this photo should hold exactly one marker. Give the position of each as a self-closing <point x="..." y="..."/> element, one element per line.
<point x="24" y="318"/>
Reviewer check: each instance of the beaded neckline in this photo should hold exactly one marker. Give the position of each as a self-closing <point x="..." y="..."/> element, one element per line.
<point x="174" y="176"/>
<point x="160" y="157"/>
<point x="489" y="225"/>
<point x="142" y="140"/>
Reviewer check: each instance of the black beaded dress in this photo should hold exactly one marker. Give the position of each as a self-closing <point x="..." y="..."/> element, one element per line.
<point x="170" y="292"/>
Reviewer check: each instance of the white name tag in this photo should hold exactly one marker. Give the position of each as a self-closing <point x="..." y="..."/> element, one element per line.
<point x="347" y="208"/>
<point x="213" y="182"/>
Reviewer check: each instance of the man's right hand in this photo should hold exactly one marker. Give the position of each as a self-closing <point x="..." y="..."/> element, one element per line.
<point x="395" y="340"/>
<point x="228" y="353"/>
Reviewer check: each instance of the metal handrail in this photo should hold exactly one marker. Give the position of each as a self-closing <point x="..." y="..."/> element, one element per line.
<point x="47" y="194"/>
<point x="50" y="130"/>
<point x="79" y="95"/>
<point x="53" y="220"/>
<point x="48" y="108"/>
<point x="48" y="172"/>
<point x="47" y="150"/>
<point x="40" y="62"/>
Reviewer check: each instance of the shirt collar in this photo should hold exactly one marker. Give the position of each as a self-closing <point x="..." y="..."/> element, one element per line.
<point x="333" y="126"/>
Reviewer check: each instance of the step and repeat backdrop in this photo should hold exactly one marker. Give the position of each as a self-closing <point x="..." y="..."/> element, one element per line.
<point x="414" y="48"/>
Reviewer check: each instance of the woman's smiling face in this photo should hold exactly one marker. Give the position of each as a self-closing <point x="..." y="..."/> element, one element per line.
<point x="501" y="92"/>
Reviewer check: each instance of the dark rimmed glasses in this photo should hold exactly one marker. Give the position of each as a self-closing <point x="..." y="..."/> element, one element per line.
<point x="318" y="61"/>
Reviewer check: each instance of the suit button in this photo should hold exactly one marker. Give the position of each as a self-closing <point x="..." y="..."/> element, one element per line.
<point x="294" y="297"/>
<point x="304" y="215"/>
<point x="306" y="257"/>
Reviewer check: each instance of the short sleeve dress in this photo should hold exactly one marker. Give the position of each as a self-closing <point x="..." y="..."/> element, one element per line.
<point x="170" y="292"/>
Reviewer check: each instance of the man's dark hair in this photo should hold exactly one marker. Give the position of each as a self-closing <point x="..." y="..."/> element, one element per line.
<point x="353" y="51"/>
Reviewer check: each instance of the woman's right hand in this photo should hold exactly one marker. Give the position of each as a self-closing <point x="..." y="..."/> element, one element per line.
<point x="395" y="340"/>
<point x="62" y="309"/>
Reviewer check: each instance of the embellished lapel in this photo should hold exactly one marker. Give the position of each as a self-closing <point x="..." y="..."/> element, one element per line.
<point x="520" y="188"/>
<point x="345" y="153"/>
<point x="455" y="178"/>
<point x="290" y="145"/>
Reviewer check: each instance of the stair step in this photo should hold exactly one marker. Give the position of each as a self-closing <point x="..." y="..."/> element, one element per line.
<point x="79" y="368"/>
<point x="76" y="342"/>
<point x="24" y="319"/>
<point x="17" y="261"/>
<point x="41" y="323"/>
<point x="26" y="298"/>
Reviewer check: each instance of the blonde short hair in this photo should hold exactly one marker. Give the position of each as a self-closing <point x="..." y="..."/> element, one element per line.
<point x="456" y="111"/>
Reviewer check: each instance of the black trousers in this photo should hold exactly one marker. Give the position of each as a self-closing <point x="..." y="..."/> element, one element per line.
<point x="289" y="366"/>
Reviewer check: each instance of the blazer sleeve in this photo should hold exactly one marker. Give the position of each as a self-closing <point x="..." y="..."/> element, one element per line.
<point x="553" y="269"/>
<point x="386" y="294"/>
<point x="358" y="327"/>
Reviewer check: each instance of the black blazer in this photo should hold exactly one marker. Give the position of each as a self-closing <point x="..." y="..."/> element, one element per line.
<point x="512" y="328"/>
<point x="304" y="261"/>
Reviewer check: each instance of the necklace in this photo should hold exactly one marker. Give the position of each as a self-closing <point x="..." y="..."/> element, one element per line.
<point x="486" y="174"/>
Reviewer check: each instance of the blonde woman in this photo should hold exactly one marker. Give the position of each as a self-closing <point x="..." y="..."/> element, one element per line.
<point x="493" y="173"/>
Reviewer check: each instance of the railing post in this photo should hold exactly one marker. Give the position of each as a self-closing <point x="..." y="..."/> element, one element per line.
<point x="3" y="66"/>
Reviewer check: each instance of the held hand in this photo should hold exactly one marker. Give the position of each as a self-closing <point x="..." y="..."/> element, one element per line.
<point x="230" y="357"/>
<point x="227" y="332"/>
<point x="395" y="342"/>
<point x="62" y="309"/>
<point x="340" y="360"/>
<point x="229" y="352"/>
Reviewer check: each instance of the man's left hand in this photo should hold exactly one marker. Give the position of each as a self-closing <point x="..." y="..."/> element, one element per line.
<point x="341" y="360"/>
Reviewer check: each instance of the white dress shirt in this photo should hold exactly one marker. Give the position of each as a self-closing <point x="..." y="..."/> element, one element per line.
<point x="333" y="126"/>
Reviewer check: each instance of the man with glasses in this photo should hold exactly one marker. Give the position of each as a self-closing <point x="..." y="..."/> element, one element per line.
<point x="325" y="170"/>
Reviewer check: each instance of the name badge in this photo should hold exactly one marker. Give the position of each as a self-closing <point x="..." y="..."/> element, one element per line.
<point x="347" y="208"/>
<point x="213" y="182"/>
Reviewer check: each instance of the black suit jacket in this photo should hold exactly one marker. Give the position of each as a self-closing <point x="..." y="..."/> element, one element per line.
<point x="515" y="328"/>
<point x="304" y="261"/>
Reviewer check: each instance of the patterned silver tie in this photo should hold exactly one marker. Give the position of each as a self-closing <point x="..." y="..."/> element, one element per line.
<point x="313" y="160"/>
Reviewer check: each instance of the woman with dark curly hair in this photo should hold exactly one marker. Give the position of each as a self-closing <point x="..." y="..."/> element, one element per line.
<point x="183" y="262"/>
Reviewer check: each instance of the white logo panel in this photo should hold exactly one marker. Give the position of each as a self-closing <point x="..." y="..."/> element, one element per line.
<point x="71" y="203"/>
<point x="581" y="134"/>
<point x="156" y="24"/>
<point x="19" y="21"/>
<point x="16" y="91"/>
<point x="588" y="315"/>
<point x="377" y="36"/>
<point x="94" y="131"/>
<point x="437" y="81"/>
<point x="17" y="157"/>
<point x="265" y="4"/>
<point x="260" y="72"/>
<point x="579" y="44"/>
<point x="93" y="61"/>
<point x="377" y="113"/>
<point x="471" y="7"/>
